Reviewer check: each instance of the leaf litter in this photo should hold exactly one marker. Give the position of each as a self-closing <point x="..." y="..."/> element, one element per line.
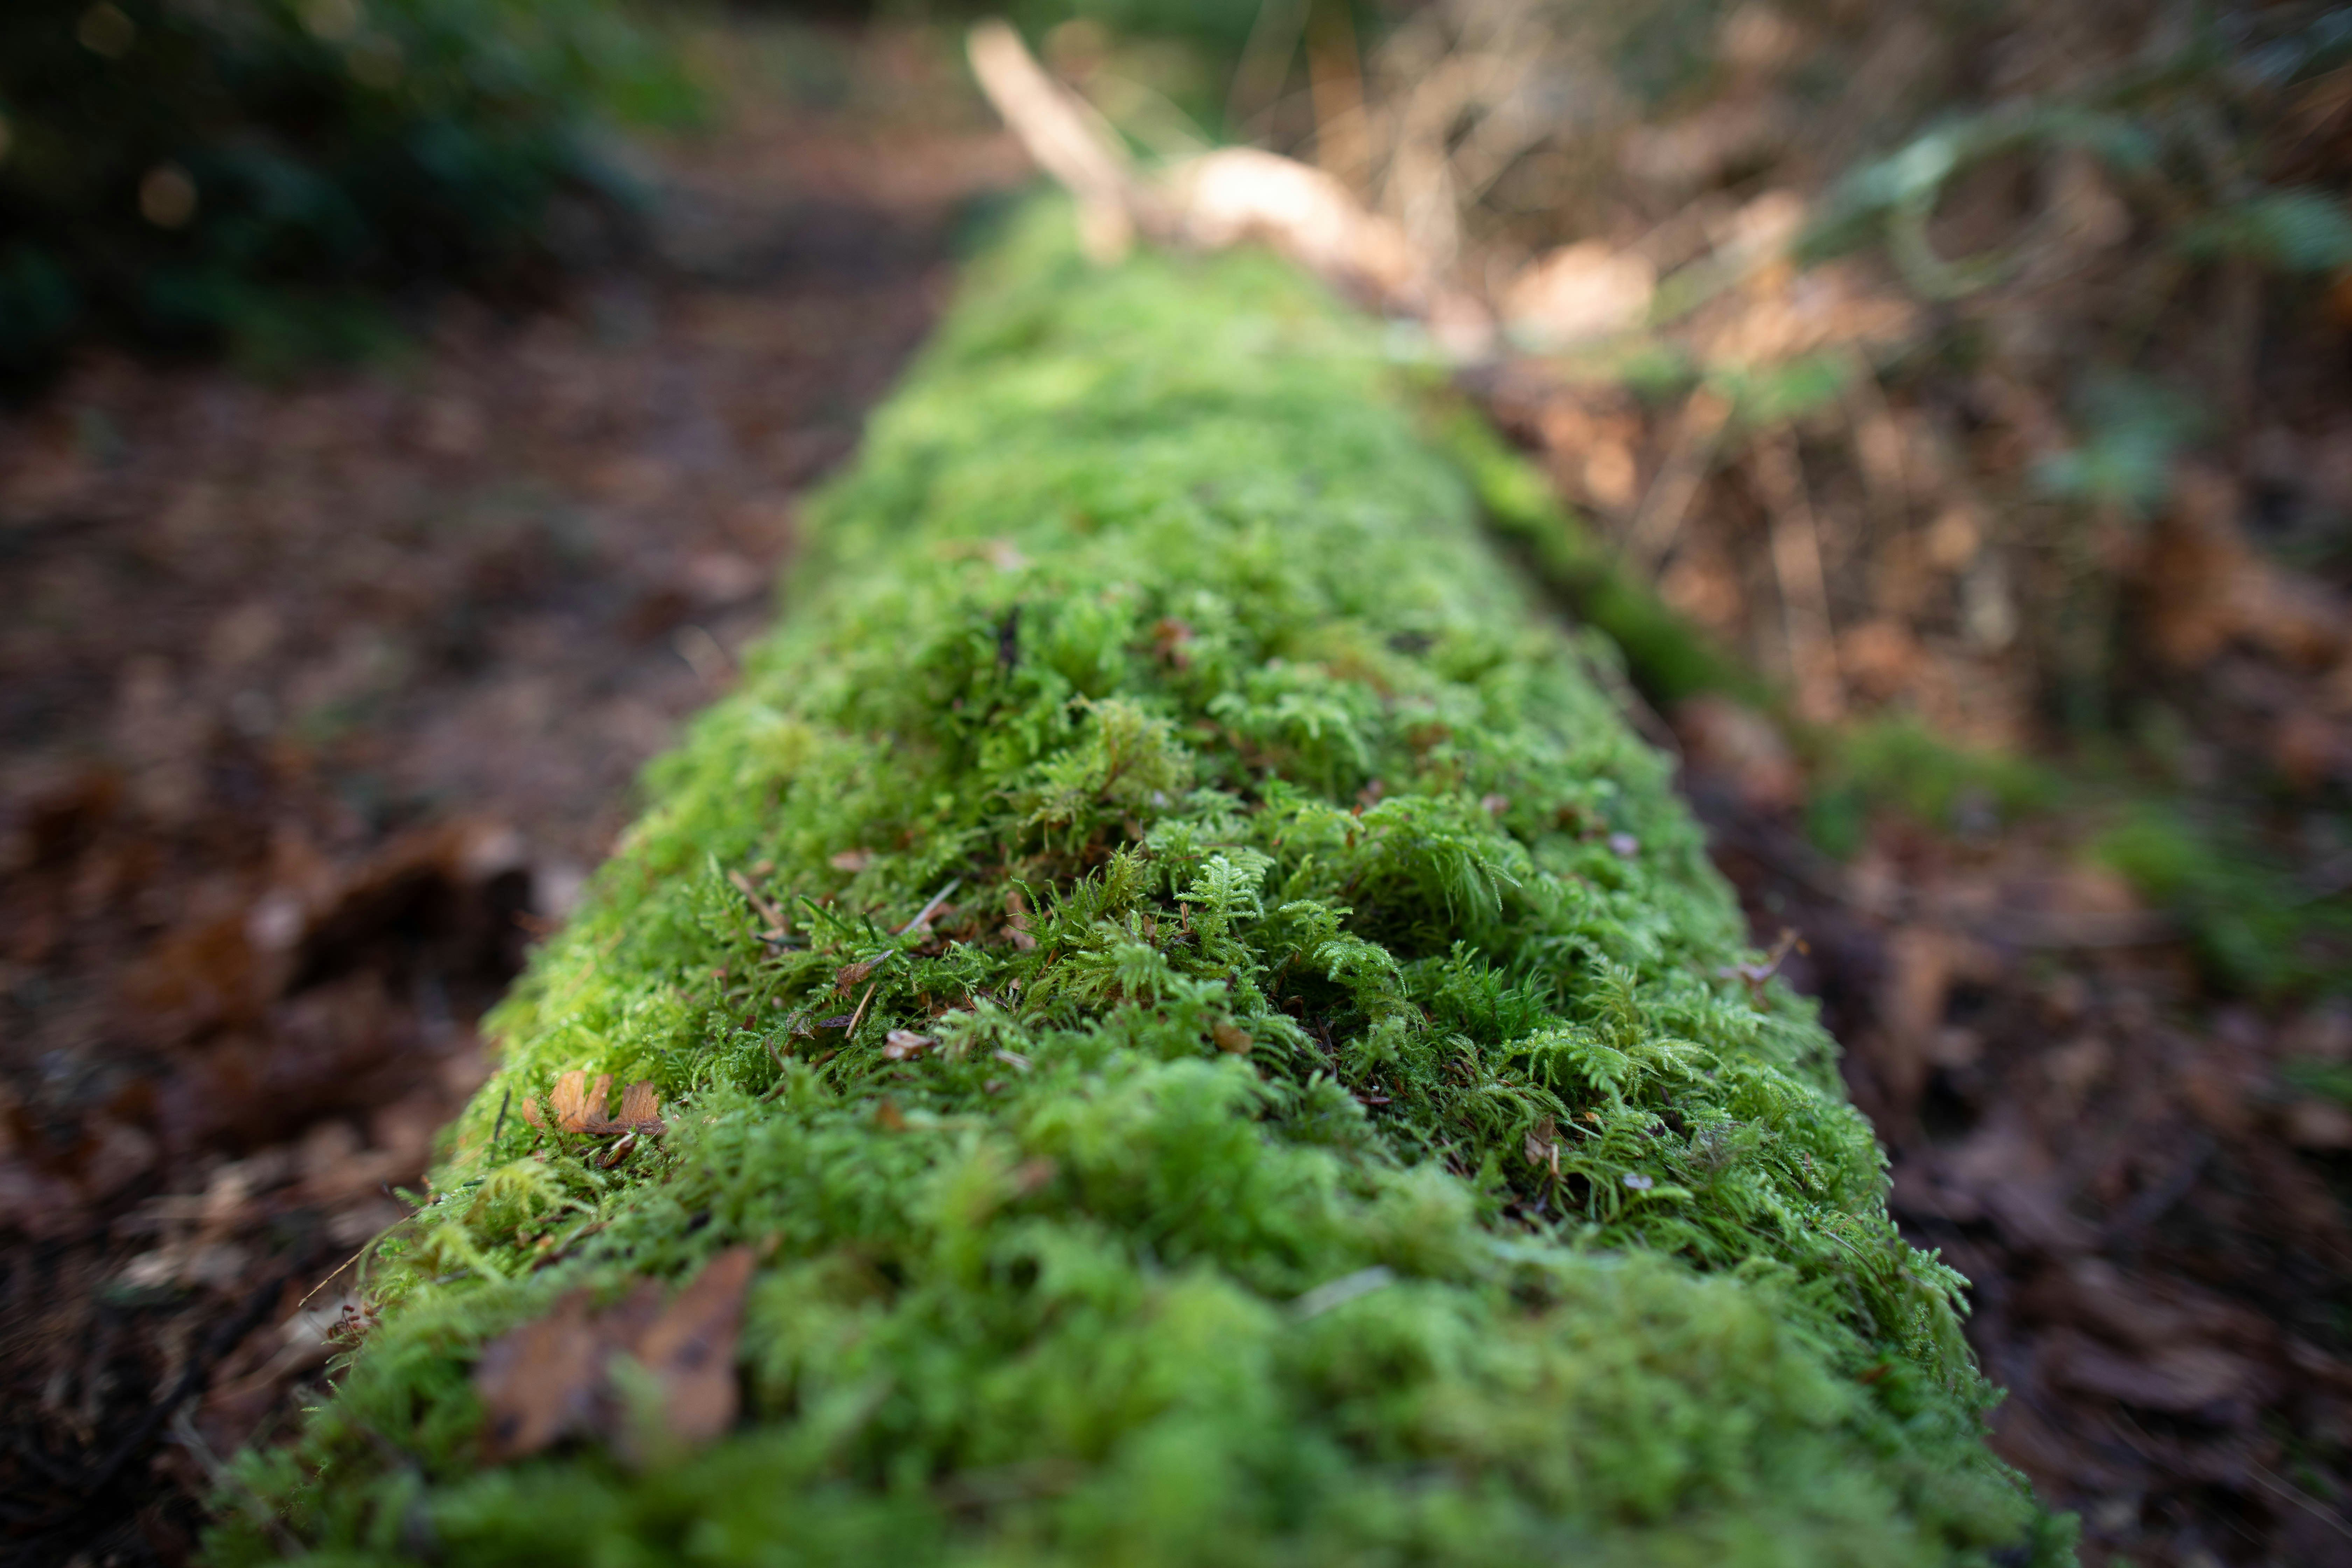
<point x="560" y="1377"/>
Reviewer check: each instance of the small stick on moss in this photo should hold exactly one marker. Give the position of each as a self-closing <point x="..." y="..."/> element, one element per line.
<point x="337" y="1271"/>
<point x="501" y="1124"/>
<point x="930" y="909"/>
<point x="771" y="913"/>
<point x="857" y="1017"/>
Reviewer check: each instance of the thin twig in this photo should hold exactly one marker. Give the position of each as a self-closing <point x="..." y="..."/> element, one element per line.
<point x="859" y="1017"/>
<point x="1689" y="457"/>
<point x="769" y="912"/>
<point x="1065" y="134"/>
<point x="339" y="1267"/>
<point x="1335" y="83"/>
<point x="1265" y="60"/>
<point x="930" y="909"/>
<point x="1804" y="586"/>
<point x="2296" y="1494"/>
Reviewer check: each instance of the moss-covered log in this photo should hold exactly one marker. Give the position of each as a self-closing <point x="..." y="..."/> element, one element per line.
<point x="1330" y="1118"/>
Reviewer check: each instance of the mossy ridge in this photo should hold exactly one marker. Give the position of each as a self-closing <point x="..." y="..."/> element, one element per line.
<point x="1362" y="942"/>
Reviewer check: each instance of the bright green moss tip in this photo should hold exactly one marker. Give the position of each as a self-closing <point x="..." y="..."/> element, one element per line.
<point x="1364" y="944"/>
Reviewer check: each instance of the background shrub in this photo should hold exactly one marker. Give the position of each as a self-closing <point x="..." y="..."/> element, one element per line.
<point x="190" y="171"/>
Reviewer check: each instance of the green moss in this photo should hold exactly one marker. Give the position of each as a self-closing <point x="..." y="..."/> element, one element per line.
<point x="1343" y="1144"/>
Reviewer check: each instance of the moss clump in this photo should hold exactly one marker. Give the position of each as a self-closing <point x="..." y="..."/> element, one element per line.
<point x="1346" y="1139"/>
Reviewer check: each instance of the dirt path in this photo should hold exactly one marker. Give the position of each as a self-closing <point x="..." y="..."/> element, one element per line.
<point x="316" y="700"/>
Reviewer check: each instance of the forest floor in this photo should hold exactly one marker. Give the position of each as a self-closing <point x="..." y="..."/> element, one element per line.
<point x="320" y="699"/>
<point x="323" y="696"/>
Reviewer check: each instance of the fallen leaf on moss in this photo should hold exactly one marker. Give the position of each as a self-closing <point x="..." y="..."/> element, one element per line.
<point x="1541" y="1145"/>
<point x="641" y="1107"/>
<point x="540" y="1382"/>
<point x="578" y="1105"/>
<point x="852" y="860"/>
<point x="575" y="1104"/>
<point x="1168" y="638"/>
<point x="552" y="1379"/>
<point x="1016" y="924"/>
<point x="900" y="1044"/>
<point x="690" y="1349"/>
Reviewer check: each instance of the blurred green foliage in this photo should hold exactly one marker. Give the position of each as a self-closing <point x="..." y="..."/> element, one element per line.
<point x="2294" y="230"/>
<point x="2132" y="429"/>
<point x="190" y="172"/>
<point x="2259" y="926"/>
<point x="1900" y="764"/>
<point x="1219" y="27"/>
<point x="2321" y="1079"/>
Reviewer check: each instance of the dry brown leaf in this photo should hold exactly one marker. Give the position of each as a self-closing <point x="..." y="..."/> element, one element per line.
<point x="1232" y="1039"/>
<point x="600" y="1095"/>
<point x="540" y="1382"/>
<point x="2179" y="1379"/>
<point x="578" y="1104"/>
<point x="690" y="1348"/>
<point x="1580" y="293"/>
<point x="852" y="975"/>
<point x="1170" y="636"/>
<point x="1541" y="1145"/>
<point x="641" y="1107"/>
<point x="901" y="1043"/>
<point x="567" y="1101"/>
<point x="1016" y="921"/>
<point x="551" y="1379"/>
<point x="852" y="860"/>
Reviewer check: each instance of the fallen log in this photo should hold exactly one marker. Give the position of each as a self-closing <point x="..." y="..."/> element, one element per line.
<point x="1169" y="1020"/>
